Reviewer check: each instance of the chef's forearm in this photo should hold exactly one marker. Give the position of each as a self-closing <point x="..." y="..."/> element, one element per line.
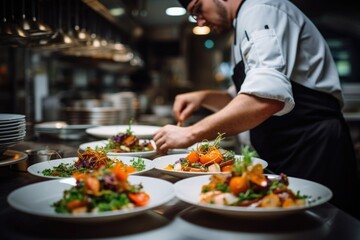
<point x="250" y="112"/>
<point x="215" y="100"/>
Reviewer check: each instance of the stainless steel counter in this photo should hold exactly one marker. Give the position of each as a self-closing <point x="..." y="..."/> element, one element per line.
<point x="174" y="220"/>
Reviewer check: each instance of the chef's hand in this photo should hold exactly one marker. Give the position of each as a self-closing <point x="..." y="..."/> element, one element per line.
<point x="171" y="137"/>
<point x="185" y="104"/>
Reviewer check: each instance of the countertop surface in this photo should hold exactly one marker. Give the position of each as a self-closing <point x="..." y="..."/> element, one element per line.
<point x="173" y="220"/>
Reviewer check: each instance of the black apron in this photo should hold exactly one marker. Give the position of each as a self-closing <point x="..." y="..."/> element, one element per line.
<point x="311" y="142"/>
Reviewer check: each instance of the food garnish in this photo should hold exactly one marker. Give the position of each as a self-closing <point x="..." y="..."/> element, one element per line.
<point x="246" y="185"/>
<point x="106" y="189"/>
<point x="127" y="142"/>
<point x="207" y="157"/>
<point x="91" y="160"/>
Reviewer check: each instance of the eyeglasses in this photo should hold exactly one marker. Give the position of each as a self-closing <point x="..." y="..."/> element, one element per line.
<point x="195" y="10"/>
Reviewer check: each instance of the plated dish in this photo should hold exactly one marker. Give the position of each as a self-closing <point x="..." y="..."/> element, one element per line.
<point x="209" y="157"/>
<point x="189" y="190"/>
<point x="10" y="157"/>
<point x="44" y="194"/>
<point x="104" y="143"/>
<point x="105" y="132"/>
<point x="38" y="168"/>
<point x="162" y="162"/>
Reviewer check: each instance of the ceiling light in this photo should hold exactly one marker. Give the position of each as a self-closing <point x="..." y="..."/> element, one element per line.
<point x="117" y="11"/>
<point x="201" y="30"/>
<point x="175" y="11"/>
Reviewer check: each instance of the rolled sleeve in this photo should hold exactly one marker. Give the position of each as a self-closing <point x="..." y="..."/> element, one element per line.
<point x="271" y="84"/>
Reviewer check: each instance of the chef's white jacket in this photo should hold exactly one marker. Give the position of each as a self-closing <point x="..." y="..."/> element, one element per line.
<point x="279" y="44"/>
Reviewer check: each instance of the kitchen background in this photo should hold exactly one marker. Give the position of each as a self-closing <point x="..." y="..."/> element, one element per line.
<point x="106" y="61"/>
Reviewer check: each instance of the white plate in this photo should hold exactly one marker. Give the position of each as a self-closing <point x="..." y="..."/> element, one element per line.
<point x="36" y="169"/>
<point x="12" y="125"/>
<point x="12" y="135"/>
<point x="13" y="138"/>
<point x="188" y="190"/>
<point x="36" y="199"/>
<point x="141" y="131"/>
<point x="18" y="130"/>
<point x="8" y="117"/>
<point x="164" y="161"/>
<point x="103" y="143"/>
<point x="58" y="125"/>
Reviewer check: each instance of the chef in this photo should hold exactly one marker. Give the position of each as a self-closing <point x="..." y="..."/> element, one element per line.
<point x="287" y="93"/>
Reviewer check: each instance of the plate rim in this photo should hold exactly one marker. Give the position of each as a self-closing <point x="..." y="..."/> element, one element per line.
<point x="108" y="215"/>
<point x="31" y="170"/>
<point x="251" y="212"/>
<point x="146" y="154"/>
<point x="11" y="117"/>
<point x="91" y="130"/>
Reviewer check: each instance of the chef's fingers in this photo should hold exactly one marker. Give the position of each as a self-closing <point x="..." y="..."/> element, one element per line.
<point x="161" y="145"/>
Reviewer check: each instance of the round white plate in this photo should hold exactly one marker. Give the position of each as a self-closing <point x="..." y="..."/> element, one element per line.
<point x="12" y="125"/>
<point x="18" y="130"/>
<point x="12" y="135"/>
<point x="141" y="131"/>
<point x="36" y="169"/>
<point x="8" y="117"/>
<point x="37" y="198"/>
<point x="164" y="161"/>
<point x="103" y="143"/>
<point x="188" y="190"/>
<point x="59" y="125"/>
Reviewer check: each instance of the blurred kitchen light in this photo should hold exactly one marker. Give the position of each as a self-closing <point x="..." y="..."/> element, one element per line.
<point x="123" y="57"/>
<point x="117" y="11"/>
<point x="82" y="35"/>
<point x="175" y="11"/>
<point x="95" y="42"/>
<point x="209" y="44"/>
<point x="136" y="61"/>
<point x="119" y="46"/>
<point x="201" y="30"/>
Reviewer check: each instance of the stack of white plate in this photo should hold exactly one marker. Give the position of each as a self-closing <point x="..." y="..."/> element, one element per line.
<point x="92" y="111"/>
<point x="12" y="130"/>
<point x="126" y="101"/>
<point x="93" y="116"/>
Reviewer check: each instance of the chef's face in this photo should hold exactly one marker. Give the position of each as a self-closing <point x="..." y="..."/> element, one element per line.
<point x="211" y="13"/>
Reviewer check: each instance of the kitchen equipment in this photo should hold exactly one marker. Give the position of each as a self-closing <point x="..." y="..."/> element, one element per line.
<point x="10" y="32"/>
<point x="36" y="156"/>
<point x="34" y="28"/>
<point x="10" y="157"/>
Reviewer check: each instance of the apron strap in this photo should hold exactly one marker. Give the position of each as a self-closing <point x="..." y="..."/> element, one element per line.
<point x="238" y="76"/>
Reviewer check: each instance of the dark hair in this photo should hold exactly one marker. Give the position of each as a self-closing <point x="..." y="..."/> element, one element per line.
<point x="184" y="3"/>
